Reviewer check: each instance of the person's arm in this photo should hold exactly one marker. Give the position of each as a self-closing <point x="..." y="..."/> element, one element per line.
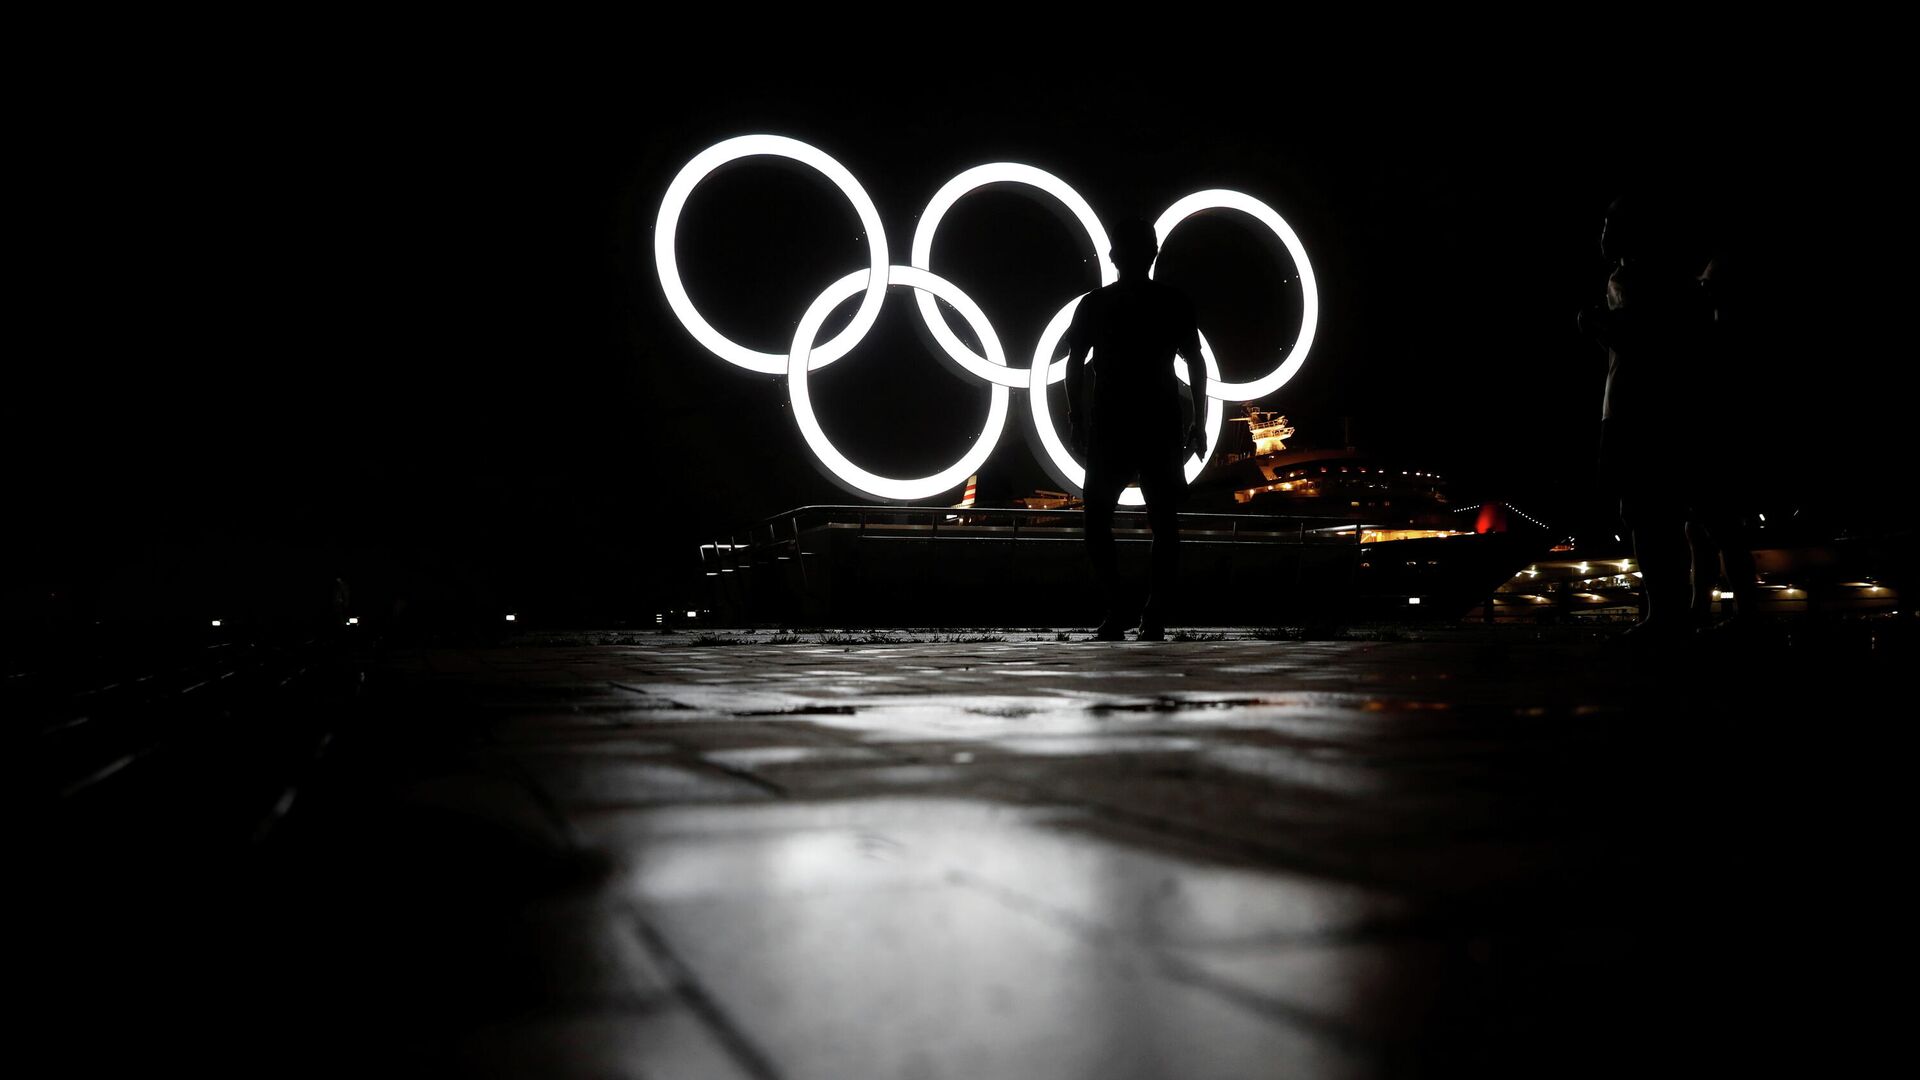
<point x="1076" y="378"/>
<point x="1610" y="323"/>
<point x="1197" y="378"/>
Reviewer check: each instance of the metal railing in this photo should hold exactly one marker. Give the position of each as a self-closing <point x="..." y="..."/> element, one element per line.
<point x="782" y="536"/>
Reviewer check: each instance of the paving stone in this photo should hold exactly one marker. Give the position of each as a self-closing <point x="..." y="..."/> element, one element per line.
<point x="1035" y="858"/>
<point x="954" y="982"/>
<point x="576" y="780"/>
<point x="642" y="1045"/>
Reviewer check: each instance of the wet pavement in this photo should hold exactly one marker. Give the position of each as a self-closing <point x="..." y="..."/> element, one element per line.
<point x="1012" y="855"/>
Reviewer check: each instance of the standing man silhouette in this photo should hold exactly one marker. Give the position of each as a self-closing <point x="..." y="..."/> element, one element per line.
<point x="1132" y="426"/>
<point x="1656" y="325"/>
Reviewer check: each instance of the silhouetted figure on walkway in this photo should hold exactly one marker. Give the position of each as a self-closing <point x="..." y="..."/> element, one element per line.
<point x="1132" y="423"/>
<point x="1728" y="477"/>
<point x="1656" y="323"/>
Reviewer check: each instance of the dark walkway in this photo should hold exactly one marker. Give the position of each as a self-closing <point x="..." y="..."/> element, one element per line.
<point x="846" y="857"/>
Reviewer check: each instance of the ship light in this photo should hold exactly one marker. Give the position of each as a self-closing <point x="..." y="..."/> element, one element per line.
<point x="511" y="618"/>
<point x="693" y="614"/>
<point x="216" y="622"/>
<point x="353" y="620"/>
<point x="1413" y="599"/>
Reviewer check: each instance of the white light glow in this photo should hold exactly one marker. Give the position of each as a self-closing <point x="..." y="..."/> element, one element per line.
<point x="353" y="620"/>
<point x="879" y="274"/>
<point x="216" y="622"/>
<point x="1413" y="599"/>
<point x="1218" y="199"/>
<point x="882" y="487"/>
<point x="959" y="187"/>
<point x="668" y="223"/>
<point x="693" y="614"/>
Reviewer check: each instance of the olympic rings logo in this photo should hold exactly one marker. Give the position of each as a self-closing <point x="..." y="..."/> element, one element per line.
<point x="871" y="283"/>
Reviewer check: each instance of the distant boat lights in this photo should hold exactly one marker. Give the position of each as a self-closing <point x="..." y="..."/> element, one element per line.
<point x="990" y="365"/>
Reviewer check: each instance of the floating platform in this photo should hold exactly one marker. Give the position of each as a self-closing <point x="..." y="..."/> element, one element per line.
<point x="943" y="566"/>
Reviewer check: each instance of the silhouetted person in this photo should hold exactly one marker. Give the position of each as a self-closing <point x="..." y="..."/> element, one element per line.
<point x="1132" y="424"/>
<point x="1727" y="479"/>
<point x="1656" y="324"/>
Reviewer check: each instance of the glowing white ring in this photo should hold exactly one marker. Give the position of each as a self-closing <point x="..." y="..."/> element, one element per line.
<point x="1063" y="466"/>
<point x="847" y="472"/>
<point x="999" y="172"/>
<point x="1309" y="292"/>
<point x="993" y="368"/>
<point x="668" y="223"/>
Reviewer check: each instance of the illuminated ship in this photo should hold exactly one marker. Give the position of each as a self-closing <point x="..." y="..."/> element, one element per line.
<point x="1417" y="554"/>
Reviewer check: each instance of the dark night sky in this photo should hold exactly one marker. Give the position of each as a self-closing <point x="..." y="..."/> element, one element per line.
<point x="409" y="331"/>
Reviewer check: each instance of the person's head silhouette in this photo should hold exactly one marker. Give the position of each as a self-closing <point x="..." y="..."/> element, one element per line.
<point x="1134" y="248"/>
<point x="1655" y="226"/>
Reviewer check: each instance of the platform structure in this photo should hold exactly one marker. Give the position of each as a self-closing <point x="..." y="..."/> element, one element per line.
<point x="944" y="566"/>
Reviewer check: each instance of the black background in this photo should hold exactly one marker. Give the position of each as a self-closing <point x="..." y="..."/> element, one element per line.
<point x="397" y="321"/>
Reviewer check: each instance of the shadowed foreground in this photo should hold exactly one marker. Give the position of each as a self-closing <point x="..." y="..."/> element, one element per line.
<point x="978" y="858"/>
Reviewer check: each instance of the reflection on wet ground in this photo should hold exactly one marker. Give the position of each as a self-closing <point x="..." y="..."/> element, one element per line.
<point x="1060" y="859"/>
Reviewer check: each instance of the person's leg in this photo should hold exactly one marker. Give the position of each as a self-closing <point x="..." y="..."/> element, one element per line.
<point x="1728" y="535"/>
<point x="1106" y="478"/>
<point x="1743" y="577"/>
<point x="1659" y="528"/>
<point x="1706" y="570"/>
<point x="1163" y="485"/>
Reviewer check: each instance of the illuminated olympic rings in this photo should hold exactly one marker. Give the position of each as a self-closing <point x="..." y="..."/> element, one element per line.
<point x="871" y="284"/>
